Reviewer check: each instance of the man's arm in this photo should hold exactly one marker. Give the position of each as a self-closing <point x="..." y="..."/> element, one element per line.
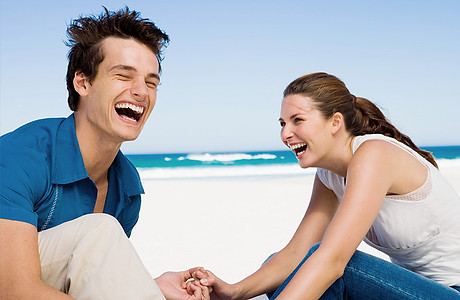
<point x="20" y="271"/>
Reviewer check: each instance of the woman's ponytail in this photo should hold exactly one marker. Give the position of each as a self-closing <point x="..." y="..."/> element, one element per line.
<point x="369" y="119"/>
<point x="361" y="116"/>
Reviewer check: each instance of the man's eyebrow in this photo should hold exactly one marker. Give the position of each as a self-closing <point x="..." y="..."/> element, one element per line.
<point x="132" y="69"/>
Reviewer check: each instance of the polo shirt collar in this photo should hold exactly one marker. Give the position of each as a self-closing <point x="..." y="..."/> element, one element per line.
<point x="68" y="163"/>
<point x="127" y="174"/>
<point x="68" y="166"/>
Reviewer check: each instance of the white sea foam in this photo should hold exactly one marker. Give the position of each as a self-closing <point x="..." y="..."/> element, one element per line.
<point x="447" y="163"/>
<point x="224" y="172"/>
<point x="245" y="171"/>
<point x="207" y="157"/>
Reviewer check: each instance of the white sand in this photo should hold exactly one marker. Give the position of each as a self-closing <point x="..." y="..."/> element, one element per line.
<point x="229" y="226"/>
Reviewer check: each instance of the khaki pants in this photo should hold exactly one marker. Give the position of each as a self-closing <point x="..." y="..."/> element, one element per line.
<point x="91" y="258"/>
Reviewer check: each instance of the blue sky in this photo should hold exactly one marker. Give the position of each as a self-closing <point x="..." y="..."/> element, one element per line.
<point x="229" y="61"/>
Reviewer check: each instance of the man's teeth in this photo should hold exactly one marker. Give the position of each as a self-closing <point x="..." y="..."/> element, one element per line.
<point x="296" y="146"/>
<point x="136" y="109"/>
<point x="128" y="118"/>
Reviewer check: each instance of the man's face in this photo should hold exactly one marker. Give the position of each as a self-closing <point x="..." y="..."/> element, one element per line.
<point x="116" y="104"/>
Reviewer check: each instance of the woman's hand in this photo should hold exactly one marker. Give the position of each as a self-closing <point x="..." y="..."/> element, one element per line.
<point x="220" y="290"/>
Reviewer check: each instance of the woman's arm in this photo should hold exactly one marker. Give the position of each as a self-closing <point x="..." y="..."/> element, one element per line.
<point x="321" y="209"/>
<point x="20" y="269"/>
<point x="370" y="176"/>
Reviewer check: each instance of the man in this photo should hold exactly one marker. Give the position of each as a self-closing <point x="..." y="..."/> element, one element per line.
<point x="69" y="197"/>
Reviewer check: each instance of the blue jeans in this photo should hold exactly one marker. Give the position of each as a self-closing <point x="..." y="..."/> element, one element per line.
<point x="369" y="277"/>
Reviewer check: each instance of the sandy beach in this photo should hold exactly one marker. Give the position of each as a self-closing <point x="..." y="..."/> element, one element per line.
<point x="227" y="225"/>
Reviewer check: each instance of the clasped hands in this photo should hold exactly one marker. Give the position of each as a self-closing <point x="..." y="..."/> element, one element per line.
<point x="192" y="284"/>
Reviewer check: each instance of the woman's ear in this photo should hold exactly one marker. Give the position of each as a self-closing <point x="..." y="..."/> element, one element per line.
<point x="337" y="122"/>
<point x="80" y="83"/>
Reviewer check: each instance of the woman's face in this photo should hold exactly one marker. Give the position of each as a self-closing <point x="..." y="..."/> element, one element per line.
<point x="304" y="130"/>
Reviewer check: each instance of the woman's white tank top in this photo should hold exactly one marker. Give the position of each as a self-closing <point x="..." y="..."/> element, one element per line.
<point x="419" y="231"/>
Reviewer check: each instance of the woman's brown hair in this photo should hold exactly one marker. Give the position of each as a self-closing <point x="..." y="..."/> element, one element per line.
<point x="361" y="116"/>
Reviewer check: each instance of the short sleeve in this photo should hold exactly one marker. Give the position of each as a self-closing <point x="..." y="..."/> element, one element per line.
<point x="130" y="214"/>
<point x="22" y="180"/>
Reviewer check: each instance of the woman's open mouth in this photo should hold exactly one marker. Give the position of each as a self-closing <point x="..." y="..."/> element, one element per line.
<point x="298" y="149"/>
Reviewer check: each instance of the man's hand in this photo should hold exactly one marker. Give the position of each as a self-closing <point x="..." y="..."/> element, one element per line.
<point x="173" y="286"/>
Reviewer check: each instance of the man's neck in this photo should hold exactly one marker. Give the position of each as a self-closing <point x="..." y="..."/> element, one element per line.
<point x="97" y="161"/>
<point x="98" y="153"/>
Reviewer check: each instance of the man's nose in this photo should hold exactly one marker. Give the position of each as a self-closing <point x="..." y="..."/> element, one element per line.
<point x="139" y="89"/>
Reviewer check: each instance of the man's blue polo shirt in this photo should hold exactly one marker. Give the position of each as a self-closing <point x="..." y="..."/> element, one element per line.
<point x="43" y="180"/>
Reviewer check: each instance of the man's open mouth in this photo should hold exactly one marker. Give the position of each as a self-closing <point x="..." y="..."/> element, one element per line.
<point x="299" y="148"/>
<point x="129" y="111"/>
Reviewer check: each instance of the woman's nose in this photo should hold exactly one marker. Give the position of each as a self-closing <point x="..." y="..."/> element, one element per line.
<point x="286" y="133"/>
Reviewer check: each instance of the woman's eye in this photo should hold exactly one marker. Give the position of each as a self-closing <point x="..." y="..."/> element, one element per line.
<point x="123" y="76"/>
<point x="282" y="124"/>
<point x="297" y="120"/>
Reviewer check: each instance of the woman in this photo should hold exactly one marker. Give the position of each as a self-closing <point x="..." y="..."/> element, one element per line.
<point x="372" y="183"/>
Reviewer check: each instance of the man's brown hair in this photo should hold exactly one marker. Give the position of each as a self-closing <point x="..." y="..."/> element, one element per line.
<point x="86" y="34"/>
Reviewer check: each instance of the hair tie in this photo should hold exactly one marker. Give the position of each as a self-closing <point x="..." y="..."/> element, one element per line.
<point x="353" y="98"/>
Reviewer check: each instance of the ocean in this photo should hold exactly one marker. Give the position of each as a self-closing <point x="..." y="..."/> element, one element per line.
<point x="243" y="164"/>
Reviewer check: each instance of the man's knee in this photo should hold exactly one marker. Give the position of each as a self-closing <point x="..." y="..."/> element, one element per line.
<point x="71" y="232"/>
<point x="93" y="227"/>
<point x="99" y="218"/>
<point x="98" y="233"/>
<point x="103" y="223"/>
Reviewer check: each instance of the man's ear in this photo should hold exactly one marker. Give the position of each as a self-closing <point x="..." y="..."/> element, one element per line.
<point x="337" y="122"/>
<point x="81" y="83"/>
